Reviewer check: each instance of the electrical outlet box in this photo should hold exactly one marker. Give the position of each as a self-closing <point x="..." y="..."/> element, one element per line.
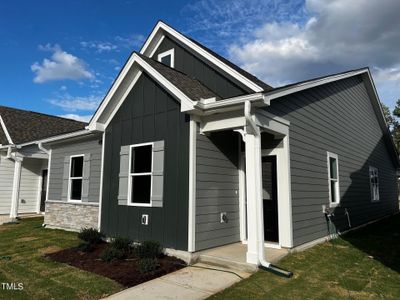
<point x="224" y="217"/>
<point x="145" y="219"/>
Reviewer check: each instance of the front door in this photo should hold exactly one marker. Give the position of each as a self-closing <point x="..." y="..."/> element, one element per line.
<point x="270" y="199"/>
<point x="44" y="190"/>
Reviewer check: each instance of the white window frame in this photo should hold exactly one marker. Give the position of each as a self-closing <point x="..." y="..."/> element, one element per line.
<point x="374" y="169"/>
<point x="71" y="178"/>
<point x="337" y="200"/>
<point x="166" y="53"/>
<point x="130" y="175"/>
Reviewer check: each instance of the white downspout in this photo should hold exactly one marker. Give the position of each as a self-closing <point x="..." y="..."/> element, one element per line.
<point x="259" y="204"/>
<point x="40" y="146"/>
<point x="16" y="183"/>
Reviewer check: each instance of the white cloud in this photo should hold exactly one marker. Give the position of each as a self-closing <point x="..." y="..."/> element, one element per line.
<point x="115" y="44"/>
<point x="100" y="47"/>
<point x="62" y="65"/>
<point x="72" y="104"/>
<point x="77" y="117"/>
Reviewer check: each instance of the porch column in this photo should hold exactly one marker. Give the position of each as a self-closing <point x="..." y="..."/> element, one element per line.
<point x="16" y="185"/>
<point x="253" y="192"/>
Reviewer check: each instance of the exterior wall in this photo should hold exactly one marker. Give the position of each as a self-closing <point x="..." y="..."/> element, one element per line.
<point x="149" y="114"/>
<point x="339" y="118"/>
<point x="189" y="64"/>
<point x="6" y="184"/>
<point x="89" y="145"/>
<point x="71" y="216"/>
<point x="30" y="188"/>
<point x="217" y="189"/>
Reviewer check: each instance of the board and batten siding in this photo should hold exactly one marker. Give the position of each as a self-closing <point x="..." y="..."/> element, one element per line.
<point x="223" y="85"/>
<point x="337" y="117"/>
<point x="6" y="183"/>
<point x="89" y="145"/>
<point x="149" y="114"/>
<point x="217" y="189"/>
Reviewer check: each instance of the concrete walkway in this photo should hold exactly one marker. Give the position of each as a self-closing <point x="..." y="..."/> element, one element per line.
<point x="188" y="283"/>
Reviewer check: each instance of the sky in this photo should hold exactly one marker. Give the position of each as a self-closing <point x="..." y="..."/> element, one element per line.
<point x="61" y="57"/>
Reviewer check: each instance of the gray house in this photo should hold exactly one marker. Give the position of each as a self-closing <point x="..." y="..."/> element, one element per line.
<point x="190" y="150"/>
<point x="24" y="161"/>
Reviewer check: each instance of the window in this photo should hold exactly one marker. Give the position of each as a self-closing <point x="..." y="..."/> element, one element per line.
<point x="75" y="178"/>
<point x="333" y="174"/>
<point x="140" y="174"/>
<point x="374" y="183"/>
<point x="167" y="58"/>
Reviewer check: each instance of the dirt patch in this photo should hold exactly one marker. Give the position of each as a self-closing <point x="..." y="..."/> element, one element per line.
<point x="49" y="250"/>
<point x="124" y="271"/>
<point x="26" y="239"/>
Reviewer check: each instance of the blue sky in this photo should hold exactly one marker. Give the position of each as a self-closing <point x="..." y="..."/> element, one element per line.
<point x="61" y="57"/>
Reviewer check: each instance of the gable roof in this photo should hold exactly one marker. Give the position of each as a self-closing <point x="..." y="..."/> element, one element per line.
<point x="193" y="88"/>
<point x="161" y="29"/>
<point x="24" y="126"/>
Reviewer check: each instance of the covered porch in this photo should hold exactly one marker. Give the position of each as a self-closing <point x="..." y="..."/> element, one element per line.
<point x="264" y="201"/>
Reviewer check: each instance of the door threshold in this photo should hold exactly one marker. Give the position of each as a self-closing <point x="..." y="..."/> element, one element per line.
<point x="267" y="244"/>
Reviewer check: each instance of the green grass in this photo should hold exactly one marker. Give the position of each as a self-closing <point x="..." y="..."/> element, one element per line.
<point x="21" y="261"/>
<point x="364" y="264"/>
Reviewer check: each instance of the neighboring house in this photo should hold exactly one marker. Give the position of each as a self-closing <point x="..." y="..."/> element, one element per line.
<point x="190" y="150"/>
<point x="23" y="161"/>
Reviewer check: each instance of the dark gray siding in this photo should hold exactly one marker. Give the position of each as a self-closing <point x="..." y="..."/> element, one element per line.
<point x="189" y="64"/>
<point x="217" y="189"/>
<point x="339" y="118"/>
<point x="59" y="152"/>
<point x="149" y="114"/>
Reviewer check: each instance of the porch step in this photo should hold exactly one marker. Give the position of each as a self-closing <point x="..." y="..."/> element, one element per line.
<point x="226" y="263"/>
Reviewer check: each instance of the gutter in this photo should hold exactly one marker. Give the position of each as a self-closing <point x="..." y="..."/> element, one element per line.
<point x="263" y="263"/>
<point x="40" y="146"/>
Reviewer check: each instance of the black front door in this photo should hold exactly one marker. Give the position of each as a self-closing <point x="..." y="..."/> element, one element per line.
<point x="44" y="191"/>
<point x="270" y="197"/>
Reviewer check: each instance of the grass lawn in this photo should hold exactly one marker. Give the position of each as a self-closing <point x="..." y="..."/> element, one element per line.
<point x="364" y="264"/>
<point x="21" y="261"/>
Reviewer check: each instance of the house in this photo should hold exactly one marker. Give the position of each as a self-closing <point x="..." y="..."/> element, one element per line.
<point x="23" y="160"/>
<point x="190" y="150"/>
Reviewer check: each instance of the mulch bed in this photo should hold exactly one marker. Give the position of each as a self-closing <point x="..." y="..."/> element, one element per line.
<point x="124" y="271"/>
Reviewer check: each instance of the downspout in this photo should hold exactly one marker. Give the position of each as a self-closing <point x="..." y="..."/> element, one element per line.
<point x="263" y="263"/>
<point x="40" y="146"/>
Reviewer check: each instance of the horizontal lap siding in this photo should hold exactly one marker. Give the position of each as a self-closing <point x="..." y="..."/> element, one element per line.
<point x="217" y="185"/>
<point x="149" y="114"/>
<point x="189" y="64"/>
<point x="6" y="183"/>
<point x="60" y="151"/>
<point x="339" y="118"/>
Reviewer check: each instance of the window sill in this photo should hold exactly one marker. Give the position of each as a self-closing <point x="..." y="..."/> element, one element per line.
<point x="140" y="204"/>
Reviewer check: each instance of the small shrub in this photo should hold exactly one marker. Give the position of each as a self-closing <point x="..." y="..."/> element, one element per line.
<point x="149" y="249"/>
<point x="111" y="254"/>
<point x="85" y="247"/>
<point x="147" y="265"/>
<point x="90" y="235"/>
<point x="122" y="244"/>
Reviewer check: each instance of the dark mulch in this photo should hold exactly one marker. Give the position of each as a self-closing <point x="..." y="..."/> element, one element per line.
<point x="124" y="271"/>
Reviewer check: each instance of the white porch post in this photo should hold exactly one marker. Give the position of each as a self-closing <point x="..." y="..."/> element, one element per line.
<point x="16" y="185"/>
<point x="253" y="176"/>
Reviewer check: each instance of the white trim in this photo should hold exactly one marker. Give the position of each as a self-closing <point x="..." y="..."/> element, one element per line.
<point x="337" y="200"/>
<point x="48" y="174"/>
<point x="202" y="52"/>
<point x="3" y="125"/>
<point x="375" y="170"/>
<point x="16" y="187"/>
<point x="242" y="197"/>
<point x="130" y="175"/>
<point x="60" y="137"/>
<point x="71" y="178"/>
<point x="103" y="143"/>
<point x="186" y="103"/>
<point x="117" y="107"/>
<point x="170" y="52"/>
<point x="192" y="186"/>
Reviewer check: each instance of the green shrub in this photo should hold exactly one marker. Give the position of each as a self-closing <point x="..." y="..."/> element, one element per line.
<point x="85" y="247"/>
<point x="122" y="244"/>
<point x="111" y="254"/>
<point x="147" y="265"/>
<point x="90" y="235"/>
<point x="149" y="249"/>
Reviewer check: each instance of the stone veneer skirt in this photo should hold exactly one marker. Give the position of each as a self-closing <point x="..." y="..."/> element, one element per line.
<point x="71" y="216"/>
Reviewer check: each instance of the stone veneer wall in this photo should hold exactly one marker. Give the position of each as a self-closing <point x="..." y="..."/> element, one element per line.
<point x="71" y="216"/>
